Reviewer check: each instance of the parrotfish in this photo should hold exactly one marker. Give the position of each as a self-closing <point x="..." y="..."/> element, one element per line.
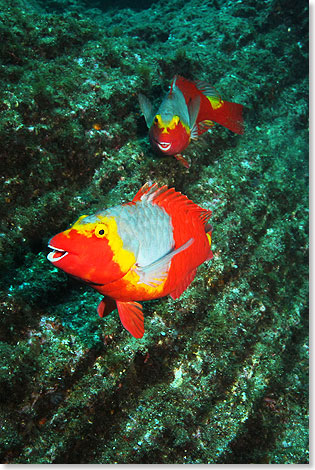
<point x="188" y="110"/>
<point x="141" y="250"/>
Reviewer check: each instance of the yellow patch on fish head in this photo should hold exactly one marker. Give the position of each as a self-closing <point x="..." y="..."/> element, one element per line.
<point x="124" y="258"/>
<point x="83" y="229"/>
<point x="167" y="126"/>
<point x="106" y="228"/>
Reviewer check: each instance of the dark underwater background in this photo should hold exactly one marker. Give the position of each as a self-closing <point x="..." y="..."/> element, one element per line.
<point x="221" y="374"/>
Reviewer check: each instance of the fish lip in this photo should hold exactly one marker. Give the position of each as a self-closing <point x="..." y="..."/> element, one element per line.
<point x="50" y="255"/>
<point x="164" y="146"/>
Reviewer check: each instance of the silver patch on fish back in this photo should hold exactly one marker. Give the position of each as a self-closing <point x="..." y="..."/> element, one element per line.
<point x="146" y="230"/>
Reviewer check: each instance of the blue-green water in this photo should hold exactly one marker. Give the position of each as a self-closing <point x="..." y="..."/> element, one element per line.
<point x="221" y="374"/>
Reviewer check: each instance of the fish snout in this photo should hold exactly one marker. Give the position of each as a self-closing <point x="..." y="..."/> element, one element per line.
<point x="60" y="246"/>
<point x="56" y="254"/>
<point x="164" y="146"/>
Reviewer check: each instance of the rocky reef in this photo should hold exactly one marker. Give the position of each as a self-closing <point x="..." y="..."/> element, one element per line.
<point x="221" y="374"/>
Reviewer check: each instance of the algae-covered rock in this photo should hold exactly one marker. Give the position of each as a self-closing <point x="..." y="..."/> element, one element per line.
<point x="221" y="374"/>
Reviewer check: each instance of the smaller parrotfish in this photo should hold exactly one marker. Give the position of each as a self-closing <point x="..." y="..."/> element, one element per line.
<point x="142" y="250"/>
<point x="187" y="111"/>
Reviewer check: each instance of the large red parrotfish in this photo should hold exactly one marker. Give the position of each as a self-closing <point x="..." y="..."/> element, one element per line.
<point x="142" y="250"/>
<point x="187" y="111"/>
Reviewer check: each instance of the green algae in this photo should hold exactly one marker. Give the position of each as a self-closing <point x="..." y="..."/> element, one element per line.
<point x="221" y="373"/>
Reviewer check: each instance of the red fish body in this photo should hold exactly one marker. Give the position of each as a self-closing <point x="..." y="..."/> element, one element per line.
<point x="189" y="109"/>
<point x="142" y="250"/>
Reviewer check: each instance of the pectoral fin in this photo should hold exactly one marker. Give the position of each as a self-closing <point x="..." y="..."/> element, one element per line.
<point x="155" y="273"/>
<point x="180" y="108"/>
<point x="131" y="317"/>
<point x="193" y="109"/>
<point x="146" y="108"/>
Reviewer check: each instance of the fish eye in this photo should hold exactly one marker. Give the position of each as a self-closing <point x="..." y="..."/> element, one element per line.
<point x="101" y="230"/>
<point x="156" y="119"/>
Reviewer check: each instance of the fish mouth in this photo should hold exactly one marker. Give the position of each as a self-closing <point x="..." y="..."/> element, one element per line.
<point x="164" y="146"/>
<point x="56" y="255"/>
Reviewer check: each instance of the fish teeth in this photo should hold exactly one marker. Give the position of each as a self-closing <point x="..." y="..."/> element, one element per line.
<point x="164" y="146"/>
<point x="51" y="255"/>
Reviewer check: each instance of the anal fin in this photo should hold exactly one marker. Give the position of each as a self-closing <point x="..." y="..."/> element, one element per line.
<point x="156" y="273"/>
<point x="131" y="316"/>
<point x="203" y="126"/>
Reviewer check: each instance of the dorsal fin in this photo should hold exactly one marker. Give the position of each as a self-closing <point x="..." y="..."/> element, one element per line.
<point x="205" y="215"/>
<point x="164" y="195"/>
<point x="155" y="194"/>
<point x="146" y="190"/>
<point x="193" y="109"/>
<point x="208" y="90"/>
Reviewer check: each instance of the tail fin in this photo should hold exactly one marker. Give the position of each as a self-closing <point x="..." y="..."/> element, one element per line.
<point x="230" y="115"/>
<point x="208" y="229"/>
